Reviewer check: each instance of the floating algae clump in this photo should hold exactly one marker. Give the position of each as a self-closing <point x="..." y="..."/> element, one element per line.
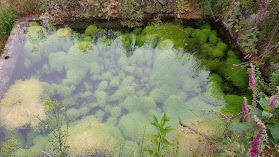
<point x="64" y="32"/>
<point x="91" y="31"/>
<point x="88" y="133"/>
<point x="21" y="103"/>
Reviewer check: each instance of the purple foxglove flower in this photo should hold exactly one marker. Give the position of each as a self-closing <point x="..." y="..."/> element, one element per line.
<point x="244" y="106"/>
<point x="271" y="103"/>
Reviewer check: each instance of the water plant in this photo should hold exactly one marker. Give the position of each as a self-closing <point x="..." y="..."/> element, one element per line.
<point x="21" y="103"/>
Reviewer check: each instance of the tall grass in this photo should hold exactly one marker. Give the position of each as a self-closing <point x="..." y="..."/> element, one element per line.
<point x="7" y="19"/>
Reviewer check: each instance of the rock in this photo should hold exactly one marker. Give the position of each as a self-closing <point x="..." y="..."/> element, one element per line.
<point x="163" y="2"/>
<point x="170" y="7"/>
<point x="153" y="7"/>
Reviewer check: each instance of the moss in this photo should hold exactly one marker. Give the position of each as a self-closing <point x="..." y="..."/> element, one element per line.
<point x="213" y="39"/>
<point x="200" y="36"/>
<point x="91" y="31"/>
<point x="85" y="46"/>
<point x="233" y="104"/>
<point x="128" y="41"/>
<point x="236" y="75"/>
<point x="87" y="38"/>
<point x="216" y="53"/>
<point x="64" y="32"/>
<point x="221" y="46"/>
<point x="189" y="30"/>
<point x="100" y="115"/>
<point x="213" y="64"/>
<point x="153" y="34"/>
<point x="137" y="31"/>
<point x="89" y="134"/>
<point x="20" y="104"/>
<point x="165" y="44"/>
<point x="206" y="26"/>
<point x="32" y="30"/>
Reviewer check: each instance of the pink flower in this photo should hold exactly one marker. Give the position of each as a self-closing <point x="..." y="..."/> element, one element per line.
<point x="271" y="103"/>
<point x="234" y="65"/>
<point x="240" y="135"/>
<point x="244" y="106"/>
<point x="217" y="20"/>
<point x="265" y="9"/>
<point x="183" y="130"/>
<point x="251" y="83"/>
<point x="255" y="20"/>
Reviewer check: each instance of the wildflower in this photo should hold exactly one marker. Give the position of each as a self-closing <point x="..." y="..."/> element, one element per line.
<point x="251" y="83"/>
<point x="217" y="20"/>
<point x="240" y="135"/>
<point x="255" y="146"/>
<point x="271" y="103"/>
<point x="265" y="9"/>
<point x="244" y="106"/>
<point x="232" y="68"/>
<point x="255" y="20"/>
<point x="234" y="65"/>
<point x="183" y="130"/>
<point x="191" y="149"/>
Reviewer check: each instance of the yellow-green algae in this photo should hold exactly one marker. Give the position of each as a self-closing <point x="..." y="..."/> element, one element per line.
<point x="89" y="133"/>
<point x="21" y="103"/>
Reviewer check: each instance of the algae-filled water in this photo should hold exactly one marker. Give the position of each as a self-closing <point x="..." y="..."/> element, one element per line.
<point x="110" y="83"/>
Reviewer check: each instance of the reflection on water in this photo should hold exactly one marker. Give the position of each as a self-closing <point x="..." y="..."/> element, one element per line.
<point x="108" y="94"/>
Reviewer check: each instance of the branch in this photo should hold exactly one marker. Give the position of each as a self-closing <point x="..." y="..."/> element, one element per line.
<point x="197" y="132"/>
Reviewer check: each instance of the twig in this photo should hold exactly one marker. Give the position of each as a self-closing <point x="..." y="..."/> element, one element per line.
<point x="197" y="132"/>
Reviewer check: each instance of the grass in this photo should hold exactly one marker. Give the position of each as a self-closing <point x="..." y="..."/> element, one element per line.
<point x="7" y="19"/>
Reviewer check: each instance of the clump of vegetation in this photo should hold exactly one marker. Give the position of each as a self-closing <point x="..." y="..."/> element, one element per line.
<point x="93" y="135"/>
<point x="21" y="103"/>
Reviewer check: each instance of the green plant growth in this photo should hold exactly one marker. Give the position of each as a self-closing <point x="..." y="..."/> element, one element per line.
<point x="159" y="141"/>
<point x="58" y="133"/>
<point x="8" y="149"/>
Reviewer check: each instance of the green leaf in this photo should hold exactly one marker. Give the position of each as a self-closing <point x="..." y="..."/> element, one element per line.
<point x="274" y="131"/>
<point x="239" y="128"/>
<point x="267" y="114"/>
<point x="155" y="119"/>
<point x="264" y="103"/>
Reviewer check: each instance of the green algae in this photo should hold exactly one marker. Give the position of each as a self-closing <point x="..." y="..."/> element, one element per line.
<point x="123" y="81"/>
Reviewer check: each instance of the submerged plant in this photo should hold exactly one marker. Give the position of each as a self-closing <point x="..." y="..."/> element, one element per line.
<point x="21" y="103"/>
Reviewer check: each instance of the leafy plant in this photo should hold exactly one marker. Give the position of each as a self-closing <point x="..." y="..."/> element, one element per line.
<point x="159" y="140"/>
<point x="58" y="133"/>
<point x="249" y="41"/>
<point x="6" y="150"/>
